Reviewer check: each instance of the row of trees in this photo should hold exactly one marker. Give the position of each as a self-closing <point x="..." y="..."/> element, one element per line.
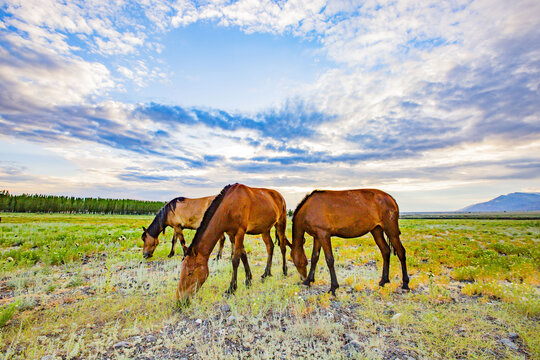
<point x="70" y="204"/>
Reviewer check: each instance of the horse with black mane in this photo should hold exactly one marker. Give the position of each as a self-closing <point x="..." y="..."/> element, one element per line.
<point x="179" y="213"/>
<point x="347" y="214"/>
<point x="237" y="210"/>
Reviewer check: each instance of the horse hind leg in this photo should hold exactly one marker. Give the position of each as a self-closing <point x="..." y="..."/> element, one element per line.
<point x="393" y="234"/>
<point x="239" y="253"/>
<point x="385" y="252"/>
<point x="270" y="252"/>
<point x="283" y="242"/>
<point x="244" y="259"/>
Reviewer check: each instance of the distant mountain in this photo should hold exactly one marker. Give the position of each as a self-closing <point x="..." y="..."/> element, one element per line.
<point x="517" y="201"/>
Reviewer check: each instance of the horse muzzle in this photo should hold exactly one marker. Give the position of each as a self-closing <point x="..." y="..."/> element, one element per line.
<point x="146" y="255"/>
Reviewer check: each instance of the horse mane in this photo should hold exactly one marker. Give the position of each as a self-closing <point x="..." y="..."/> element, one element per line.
<point x="158" y="224"/>
<point x="208" y="214"/>
<point x="299" y="206"/>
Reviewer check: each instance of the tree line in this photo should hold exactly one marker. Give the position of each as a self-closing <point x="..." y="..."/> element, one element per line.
<point x="70" y="204"/>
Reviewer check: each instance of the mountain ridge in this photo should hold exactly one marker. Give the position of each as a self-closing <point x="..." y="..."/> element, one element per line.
<point x="517" y="201"/>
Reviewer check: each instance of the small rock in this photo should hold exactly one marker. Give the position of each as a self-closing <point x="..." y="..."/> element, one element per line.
<point x="48" y="357"/>
<point x="150" y="338"/>
<point x="121" y="344"/>
<point x="198" y="321"/>
<point x="136" y="339"/>
<point x="335" y="305"/>
<point x="183" y="358"/>
<point x="375" y="329"/>
<point x="371" y="264"/>
<point x="509" y="343"/>
<point x="225" y="308"/>
<point x="513" y="335"/>
<point x="231" y="318"/>
<point x="396" y="316"/>
<point x="353" y="346"/>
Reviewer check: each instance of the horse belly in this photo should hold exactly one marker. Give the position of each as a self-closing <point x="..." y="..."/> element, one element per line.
<point x="351" y="229"/>
<point x="260" y="226"/>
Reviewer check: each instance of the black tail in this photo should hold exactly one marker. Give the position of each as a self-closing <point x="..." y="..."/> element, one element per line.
<point x="390" y="245"/>
<point x="278" y="239"/>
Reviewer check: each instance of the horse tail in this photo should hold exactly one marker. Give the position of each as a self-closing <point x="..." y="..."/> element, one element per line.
<point x="282" y="223"/>
<point x="387" y="239"/>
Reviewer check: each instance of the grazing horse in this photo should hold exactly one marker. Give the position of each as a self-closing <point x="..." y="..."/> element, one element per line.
<point x="347" y="214"/>
<point x="237" y="210"/>
<point x="180" y="213"/>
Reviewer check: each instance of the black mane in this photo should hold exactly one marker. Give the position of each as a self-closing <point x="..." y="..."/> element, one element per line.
<point x="209" y="213"/>
<point x="299" y="206"/>
<point x="158" y="224"/>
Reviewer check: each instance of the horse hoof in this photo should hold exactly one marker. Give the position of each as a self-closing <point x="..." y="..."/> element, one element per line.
<point x="229" y="291"/>
<point x="382" y="283"/>
<point x="307" y="282"/>
<point x="406" y="287"/>
<point x="332" y="291"/>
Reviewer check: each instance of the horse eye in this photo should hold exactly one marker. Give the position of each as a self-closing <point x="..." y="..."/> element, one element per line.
<point x="190" y="273"/>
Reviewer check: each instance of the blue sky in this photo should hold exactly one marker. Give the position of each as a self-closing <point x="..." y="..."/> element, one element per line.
<point x="437" y="103"/>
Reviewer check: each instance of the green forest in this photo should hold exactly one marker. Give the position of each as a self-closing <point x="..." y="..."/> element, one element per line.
<point x="70" y="204"/>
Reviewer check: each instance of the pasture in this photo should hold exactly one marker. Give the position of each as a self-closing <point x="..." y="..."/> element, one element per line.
<point x="76" y="287"/>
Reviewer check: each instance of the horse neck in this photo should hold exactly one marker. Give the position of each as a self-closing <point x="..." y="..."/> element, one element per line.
<point x="210" y="237"/>
<point x="297" y="234"/>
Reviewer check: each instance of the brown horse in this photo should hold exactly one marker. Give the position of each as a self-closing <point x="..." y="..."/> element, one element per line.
<point x="237" y="210"/>
<point x="180" y="213"/>
<point x="347" y="214"/>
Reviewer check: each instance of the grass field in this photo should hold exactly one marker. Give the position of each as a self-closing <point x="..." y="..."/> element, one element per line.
<point x="76" y="287"/>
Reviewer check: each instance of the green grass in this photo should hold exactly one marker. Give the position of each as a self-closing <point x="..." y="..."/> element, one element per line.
<point x="72" y="286"/>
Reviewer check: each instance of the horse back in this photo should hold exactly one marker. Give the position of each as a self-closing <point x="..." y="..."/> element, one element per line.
<point x="348" y="213"/>
<point x="188" y="214"/>
<point x="254" y="209"/>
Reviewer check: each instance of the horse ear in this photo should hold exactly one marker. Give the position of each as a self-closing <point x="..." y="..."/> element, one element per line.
<point x="144" y="229"/>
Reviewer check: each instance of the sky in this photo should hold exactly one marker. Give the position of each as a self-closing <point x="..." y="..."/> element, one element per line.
<point x="434" y="102"/>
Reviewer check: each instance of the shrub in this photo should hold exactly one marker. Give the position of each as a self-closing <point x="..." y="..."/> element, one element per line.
<point x="7" y="313"/>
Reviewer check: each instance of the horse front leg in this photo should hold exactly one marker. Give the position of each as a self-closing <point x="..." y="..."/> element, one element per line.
<point x="173" y="242"/>
<point x="221" y="245"/>
<point x="314" y="259"/>
<point x="238" y="248"/>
